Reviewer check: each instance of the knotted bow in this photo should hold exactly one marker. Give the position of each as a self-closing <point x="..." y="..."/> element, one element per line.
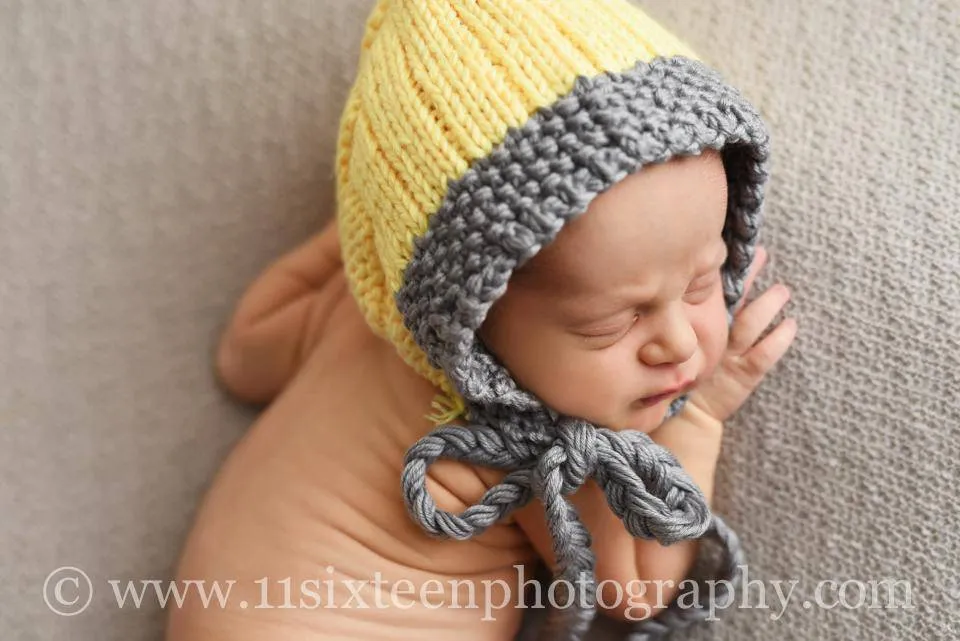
<point x="644" y="484"/>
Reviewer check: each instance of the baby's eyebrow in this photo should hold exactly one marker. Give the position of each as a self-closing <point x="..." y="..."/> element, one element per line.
<point x="717" y="260"/>
<point x="587" y="311"/>
<point x="604" y="306"/>
<point x="721" y="258"/>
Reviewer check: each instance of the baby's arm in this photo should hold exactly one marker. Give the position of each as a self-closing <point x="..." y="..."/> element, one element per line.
<point x="694" y="438"/>
<point x="624" y="564"/>
<point x="280" y="317"/>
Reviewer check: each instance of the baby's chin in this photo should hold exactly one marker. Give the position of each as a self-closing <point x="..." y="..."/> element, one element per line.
<point x="634" y="416"/>
<point x="645" y="419"/>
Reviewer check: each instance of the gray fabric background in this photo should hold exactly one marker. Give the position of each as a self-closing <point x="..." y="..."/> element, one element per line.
<point x="155" y="156"/>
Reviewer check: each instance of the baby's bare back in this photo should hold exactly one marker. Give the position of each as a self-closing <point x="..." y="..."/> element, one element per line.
<point x="307" y="518"/>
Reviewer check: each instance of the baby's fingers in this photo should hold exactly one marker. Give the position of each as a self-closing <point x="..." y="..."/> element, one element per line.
<point x="761" y="358"/>
<point x="750" y="322"/>
<point x="759" y="260"/>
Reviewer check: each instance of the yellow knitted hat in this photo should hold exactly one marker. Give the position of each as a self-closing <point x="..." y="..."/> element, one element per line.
<point x="439" y="87"/>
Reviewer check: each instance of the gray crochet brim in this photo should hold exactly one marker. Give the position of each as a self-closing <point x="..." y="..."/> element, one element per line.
<point x="512" y="203"/>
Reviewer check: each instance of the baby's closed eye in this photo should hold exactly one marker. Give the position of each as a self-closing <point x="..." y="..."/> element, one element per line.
<point x="608" y="330"/>
<point x="703" y="286"/>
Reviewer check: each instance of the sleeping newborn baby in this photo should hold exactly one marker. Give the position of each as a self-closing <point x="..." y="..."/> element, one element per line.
<point x="548" y="239"/>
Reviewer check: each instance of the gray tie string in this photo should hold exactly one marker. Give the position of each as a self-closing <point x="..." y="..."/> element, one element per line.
<point x="644" y="484"/>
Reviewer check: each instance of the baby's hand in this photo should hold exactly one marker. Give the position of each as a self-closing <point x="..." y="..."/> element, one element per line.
<point x="747" y="361"/>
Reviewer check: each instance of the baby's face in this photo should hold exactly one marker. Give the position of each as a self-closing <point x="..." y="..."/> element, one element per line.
<point x="627" y="301"/>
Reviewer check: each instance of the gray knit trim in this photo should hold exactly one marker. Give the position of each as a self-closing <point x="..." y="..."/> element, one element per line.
<point x="505" y="209"/>
<point x="512" y="203"/>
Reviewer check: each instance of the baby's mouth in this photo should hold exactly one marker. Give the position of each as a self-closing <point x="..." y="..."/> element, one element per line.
<point x="648" y="401"/>
<point x="653" y="400"/>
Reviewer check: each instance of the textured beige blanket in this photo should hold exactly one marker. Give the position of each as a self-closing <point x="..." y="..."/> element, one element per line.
<point x="154" y="156"/>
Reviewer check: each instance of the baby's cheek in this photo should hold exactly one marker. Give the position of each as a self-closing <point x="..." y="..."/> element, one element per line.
<point x="723" y="336"/>
<point x="716" y="333"/>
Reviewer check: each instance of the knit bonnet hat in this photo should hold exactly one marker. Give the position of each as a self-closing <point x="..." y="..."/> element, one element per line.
<point x="475" y="130"/>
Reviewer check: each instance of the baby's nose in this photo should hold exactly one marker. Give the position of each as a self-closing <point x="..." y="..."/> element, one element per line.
<point x="673" y="340"/>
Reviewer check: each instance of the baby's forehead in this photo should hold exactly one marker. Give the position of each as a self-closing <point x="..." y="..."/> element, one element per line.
<point x="663" y="217"/>
<point x="583" y="264"/>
